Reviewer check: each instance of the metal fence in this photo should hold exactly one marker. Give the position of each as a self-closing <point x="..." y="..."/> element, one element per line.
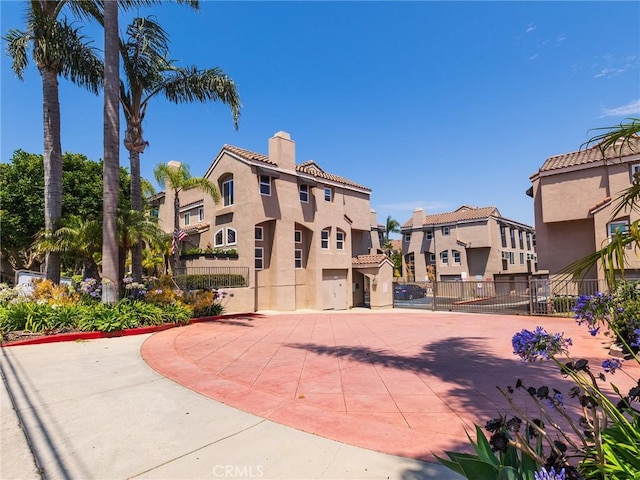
<point x="207" y="278"/>
<point x="532" y="297"/>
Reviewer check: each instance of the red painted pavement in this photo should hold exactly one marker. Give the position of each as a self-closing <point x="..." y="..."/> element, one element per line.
<point x="408" y="384"/>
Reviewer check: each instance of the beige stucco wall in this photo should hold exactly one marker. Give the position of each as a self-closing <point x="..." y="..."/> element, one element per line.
<point x="279" y="285"/>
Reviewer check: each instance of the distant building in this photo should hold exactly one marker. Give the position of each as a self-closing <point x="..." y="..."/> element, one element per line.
<point x="308" y="238"/>
<point x="469" y="243"/>
<point x="574" y="197"/>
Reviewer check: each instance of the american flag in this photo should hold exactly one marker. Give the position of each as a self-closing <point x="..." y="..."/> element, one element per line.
<point x="173" y="245"/>
<point x="181" y="235"/>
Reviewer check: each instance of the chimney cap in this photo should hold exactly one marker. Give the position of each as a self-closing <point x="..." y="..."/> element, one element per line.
<point x="282" y="134"/>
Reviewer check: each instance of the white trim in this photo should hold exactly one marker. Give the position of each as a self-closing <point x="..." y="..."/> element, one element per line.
<point x="262" y="184"/>
<point x="215" y="238"/>
<point x="235" y="236"/>
<point x="297" y="236"/>
<point x="255" y="235"/>
<point x="258" y="258"/>
<point x="296" y="258"/>
<point x="325" y="240"/>
<point x="340" y="241"/>
<point x="300" y="192"/>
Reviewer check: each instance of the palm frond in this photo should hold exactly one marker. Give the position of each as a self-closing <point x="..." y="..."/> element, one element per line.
<point x="189" y="85"/>
<point x="203" y="184"/>
<point x="17" y="49"/>
<point x="616" y="137"/>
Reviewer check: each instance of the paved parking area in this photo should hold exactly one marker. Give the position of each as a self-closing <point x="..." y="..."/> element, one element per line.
<point x="401" y="382"/>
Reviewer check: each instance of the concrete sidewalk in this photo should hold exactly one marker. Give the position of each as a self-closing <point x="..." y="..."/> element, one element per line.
<point x="94" y="409"/>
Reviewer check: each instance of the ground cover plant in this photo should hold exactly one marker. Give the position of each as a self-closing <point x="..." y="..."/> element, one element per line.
<point x="48" y="308"/>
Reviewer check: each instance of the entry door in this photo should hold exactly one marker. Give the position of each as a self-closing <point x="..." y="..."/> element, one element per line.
<point x="334" y="289"/>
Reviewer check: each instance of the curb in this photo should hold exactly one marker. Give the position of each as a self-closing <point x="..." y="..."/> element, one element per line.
<point x="75" y="336"/>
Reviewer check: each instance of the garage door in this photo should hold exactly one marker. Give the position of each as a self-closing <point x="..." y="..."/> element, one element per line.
<point x="334" y="289"/>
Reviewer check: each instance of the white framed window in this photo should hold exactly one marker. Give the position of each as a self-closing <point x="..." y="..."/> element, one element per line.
<point x="265" y="185"/>
<point x="635" y="171"/>
<point x="259" y="258"/>
<point x="298" y="258"/>
<point x="227" y="192"/>
<point x="445" y="231"/>
<point x="339" y="240"/>
<point x="304" y="193"/>
<point x="231" y="236"/>
<point x="259" y="233"/>
<point x="328" y="194"/>
<point x="218" y="238"/>
<point x="512" y="258"/>
<point x="521" y="239"/>
<point x="187" y="218"/>
<point x="201" y="214"/>
<point x="444" y="257"/>
<point x="297" y="236"/>
<point x="521" y="258"/>
<point x="617" y="227"/>
<point x="407" y="237"/>
<point x="503" y="235"/>
<point x="432" y="258"/>
<point x="324" y="239"/>
<point x="457" y="258"/>
<point x="512" y="236"/>
<point x="428" y="234"/>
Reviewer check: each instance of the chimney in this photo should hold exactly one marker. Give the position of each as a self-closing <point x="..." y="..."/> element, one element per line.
<point x="282" y="150"/>
<point x="418" y="217"/>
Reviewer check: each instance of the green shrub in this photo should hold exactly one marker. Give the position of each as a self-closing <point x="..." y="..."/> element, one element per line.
<point x="217" y="280"/>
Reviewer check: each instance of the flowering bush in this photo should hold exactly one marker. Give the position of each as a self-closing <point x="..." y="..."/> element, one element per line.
<point x="595" y="436"/>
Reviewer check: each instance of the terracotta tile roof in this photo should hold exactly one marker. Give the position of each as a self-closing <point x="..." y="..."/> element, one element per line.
<point x="311" y="168"/>
<point x="249" y="155"/>
<point x="197" y="228"/>
<point x="463" y="213"/>
<point x="601" y="203"/>
<point x="375" y="259"/>
<point x="591" y="155"/>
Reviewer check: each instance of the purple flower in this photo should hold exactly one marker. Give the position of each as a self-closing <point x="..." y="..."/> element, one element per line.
<point x="538" y="345"/>
<point x="549" y="475"/>
<point x="594" y="310"/>
<point x="636" y="332"/>
<point x="556" y="400"/>
<point x="611" y="365"/>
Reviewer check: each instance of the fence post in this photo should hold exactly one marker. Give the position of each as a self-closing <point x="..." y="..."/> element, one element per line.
<point x="531" y="289"/>
<point x="434" y="295"/>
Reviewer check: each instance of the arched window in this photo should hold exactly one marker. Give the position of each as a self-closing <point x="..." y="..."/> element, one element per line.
<point x="218" y="239"/>
<point x="226" y="189"/>
<point x="231" y="236"/>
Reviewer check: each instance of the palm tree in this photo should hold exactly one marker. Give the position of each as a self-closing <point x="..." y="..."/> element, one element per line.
<point x="392" y="226"/>
<point x="57" y="49"/>
<point x="149" y="74"/>
<point x="175" y="176"/>
<point x="78" y="237"/>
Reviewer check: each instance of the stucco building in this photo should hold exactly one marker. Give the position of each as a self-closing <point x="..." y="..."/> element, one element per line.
<point x="308" y="238"/>
<point x="574" y="197"/>
<point x="469" y="243"/>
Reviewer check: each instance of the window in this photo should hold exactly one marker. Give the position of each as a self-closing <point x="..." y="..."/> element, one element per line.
<point x="259" y="256"/>
<point x="231" y="236"/>
<point x="429" y="234"/>
<point x="187" y="218"/>
<point x="328" y="194"/>
<point x="298" y="258"/>
<point x="265" y="185"/>
<point x="528" y="241"/>
<point x="503" y="235"/>
<point x="512" y="236"/>
<point x="617" y="227"/>
<point x="155" y="211"/>
<point x="457" y="258"/>
<point x="432" y="258"/>
<point x="445" y="231"/>
<point x="444" y="257"/>
<point x="520" y="239"/>
<point x="512" y="258"/>
<point x="410" y="262"/>
<point x="407" y="237"/>
<point x="227" y="192"/>
<point x="324" y="239"/>
<point x="259" y="233"/>
<point x="304" y="193"/>
<point x="339" y="240"/>
<point x="218" y="239"/>
<point x="297" y="236"/>
<point x="635" y="171"/>
<point x="521" y="258"/>
<point x="201" y="214"/>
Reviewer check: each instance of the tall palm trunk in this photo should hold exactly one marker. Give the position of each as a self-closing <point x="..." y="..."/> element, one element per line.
<point x="136" y="145"/>
<point x="52" y="166"/>
<point x="176" y="226"/>
<point x="110" y="264"/>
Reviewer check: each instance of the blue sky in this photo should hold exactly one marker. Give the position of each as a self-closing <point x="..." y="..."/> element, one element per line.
<point x="429" y="104"/>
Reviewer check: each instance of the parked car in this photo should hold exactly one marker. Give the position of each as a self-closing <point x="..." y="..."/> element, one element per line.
<point x="408" y="291"/>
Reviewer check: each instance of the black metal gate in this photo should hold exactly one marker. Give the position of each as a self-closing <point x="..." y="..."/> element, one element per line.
<point x="532" y="297"/>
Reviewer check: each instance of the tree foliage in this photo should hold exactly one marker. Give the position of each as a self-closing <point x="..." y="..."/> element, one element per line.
<point x="22" y="200"/>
